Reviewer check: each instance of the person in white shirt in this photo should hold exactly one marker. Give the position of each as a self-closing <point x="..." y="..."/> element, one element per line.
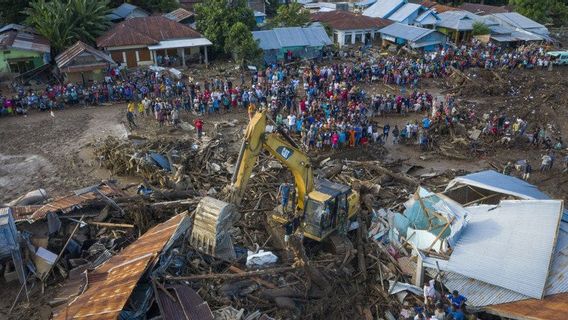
<point x="291" y="122"/>
<point x="430" y="293"/>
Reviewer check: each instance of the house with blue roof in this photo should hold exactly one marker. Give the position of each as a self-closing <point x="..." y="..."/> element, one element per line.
<point x="402" y="11"/>
<point x="281" y="44"/>
<point x="415" y="37"/>
<point x="126" y="11"/>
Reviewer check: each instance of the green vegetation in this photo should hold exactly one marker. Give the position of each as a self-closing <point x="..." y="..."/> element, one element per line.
<point x="480" y="29"/>
<point x="543" y="11"/>
<point x="11" y="11"/>
<point x="215" y="18"/>
<point x="63" y="22"/>
<point x="242" y="46"/>
<point x="291" y="15"/>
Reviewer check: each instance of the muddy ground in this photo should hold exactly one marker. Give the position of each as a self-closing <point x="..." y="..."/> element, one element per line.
<point x="55" y="153"/>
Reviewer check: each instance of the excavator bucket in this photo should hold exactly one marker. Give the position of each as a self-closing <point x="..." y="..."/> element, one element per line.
<point x="211" y="224"/>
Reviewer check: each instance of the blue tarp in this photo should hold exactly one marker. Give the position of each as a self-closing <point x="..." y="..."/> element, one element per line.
<point x="161" y="161"/>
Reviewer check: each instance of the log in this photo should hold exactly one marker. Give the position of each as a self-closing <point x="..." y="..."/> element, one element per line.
<point x="111" y="225"/>
<point x="246" y="274"/>
<point x="396" y="176"/>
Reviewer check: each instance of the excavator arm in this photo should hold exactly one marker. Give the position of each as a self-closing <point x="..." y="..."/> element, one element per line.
<point x="256" y="139"/>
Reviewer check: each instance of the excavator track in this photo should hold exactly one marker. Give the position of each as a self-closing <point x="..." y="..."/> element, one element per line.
<point x="338" y="244"/>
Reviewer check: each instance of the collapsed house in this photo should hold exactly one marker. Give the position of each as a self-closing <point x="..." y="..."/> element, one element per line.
<point x="496" y="239"/>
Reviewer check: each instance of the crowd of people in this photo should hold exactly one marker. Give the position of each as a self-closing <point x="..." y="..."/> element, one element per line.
<point x="405" y="71"/>
<point x="438" y="306"/>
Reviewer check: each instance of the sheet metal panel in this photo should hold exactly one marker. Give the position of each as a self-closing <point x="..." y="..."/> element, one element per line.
<point x="550" y="308"/>
<point x="495" y="181"/>
<point x="510" y="246"/>
<point x="518" y="20"/>
<point x="110" y="285"/>
<point x="406" y="32"/>
<point x="404" y="12"/>
<point x="383" y="8"/>
<point x="291" y="37"/>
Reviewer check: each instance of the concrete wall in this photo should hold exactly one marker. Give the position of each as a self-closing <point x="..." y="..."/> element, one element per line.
<point x="358" y="36"/>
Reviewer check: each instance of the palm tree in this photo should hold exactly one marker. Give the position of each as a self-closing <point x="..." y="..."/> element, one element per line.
<point x="63" y="22"/>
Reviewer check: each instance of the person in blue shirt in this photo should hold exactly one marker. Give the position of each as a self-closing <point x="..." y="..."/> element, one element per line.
<point x="456" y="313"/>
<point x="457" y="299"/>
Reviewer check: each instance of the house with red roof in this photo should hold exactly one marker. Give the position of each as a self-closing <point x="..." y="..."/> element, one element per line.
<point x="350" y="28"/>
<point x="151" y="40"/>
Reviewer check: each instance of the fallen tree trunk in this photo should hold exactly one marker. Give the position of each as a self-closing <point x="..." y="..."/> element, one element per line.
<point x="233" y="275"/>
<point x="371" y="165"/>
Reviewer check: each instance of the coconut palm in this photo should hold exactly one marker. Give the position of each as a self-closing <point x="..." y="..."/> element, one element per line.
<point x="63" y="22"/>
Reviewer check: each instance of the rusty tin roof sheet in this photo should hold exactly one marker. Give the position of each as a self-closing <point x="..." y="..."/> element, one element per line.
<point x="110" y="285"/>
<point x="145" y="31"/>
<point x="179" y="14"/>
<point x="67" y="56"/>
<point x="63" y="204"/>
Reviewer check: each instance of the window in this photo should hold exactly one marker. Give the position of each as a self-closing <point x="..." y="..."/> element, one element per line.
<point x="358" y="38"/>
<point x="347" y="38"/>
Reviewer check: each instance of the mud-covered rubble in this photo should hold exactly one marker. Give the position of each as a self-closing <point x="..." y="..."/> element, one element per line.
<point x="306" y="282"/>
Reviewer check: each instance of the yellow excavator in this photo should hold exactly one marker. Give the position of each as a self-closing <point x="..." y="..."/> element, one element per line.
<point x="321" y="206"/>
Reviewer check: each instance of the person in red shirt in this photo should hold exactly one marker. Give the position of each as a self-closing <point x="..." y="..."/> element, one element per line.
<point x="198" y="126"/>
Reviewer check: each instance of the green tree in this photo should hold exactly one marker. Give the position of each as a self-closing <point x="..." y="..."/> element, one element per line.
<point x="241" y="45"/>
<point x="543" y="11"/>
<point x="63" y="22"/>
<point x="156" y="5"/>
<point x="480" y="29"/>
<point x="11" y="11"/>
<point x="291" y="15"/>
<point x="215" y="18"/>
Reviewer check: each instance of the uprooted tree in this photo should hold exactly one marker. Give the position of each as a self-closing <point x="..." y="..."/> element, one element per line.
<point x="215" y="18"/>
<point x="63" y="22"/>
<point x="241" y="45"/>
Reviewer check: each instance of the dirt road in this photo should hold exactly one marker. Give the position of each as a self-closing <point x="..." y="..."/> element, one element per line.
<point x="41" y="151"/>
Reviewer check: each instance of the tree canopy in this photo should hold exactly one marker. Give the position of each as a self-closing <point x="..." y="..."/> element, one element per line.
<point x="479" y="28"/>
<point x="151" y="5"/>
<point x="241" y="45"/>
<point x="11" y="11"/>
<point x="543" y="11"/>
<point x="291" y="15"/>
<point x="63" y="22"/>
<point x="215" y="18"/>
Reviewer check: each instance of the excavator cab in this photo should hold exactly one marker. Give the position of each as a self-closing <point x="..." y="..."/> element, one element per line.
<point x="328" y="208"/>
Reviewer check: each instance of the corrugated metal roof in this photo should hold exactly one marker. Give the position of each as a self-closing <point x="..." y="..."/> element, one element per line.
<point x="510" y="246"/>
<point x="404" y="12"/>
<point x="291" y="37"/>
<point x="179" y="14"/>
<point x="497" y="182"/>
<point x="110" y="285"/>
<point x="383" y="8"/>
<point x="550" y="308"/>
<point x="404" y="31"/>
<point x="482" y="9"/>
<point x="145" y="31"/>
<point x="457" y="20"/>
<point x="24" y="41"/>
<point x="267" y="40"/>
<point x="518" y="20"/>
<point x="125" y="9"/>
<point x="345" y="20"/>
<point x="64" y="204"/>
<point x="188" y="305"/>
<point x="64" y="58"/>
<point x="425" y="14"/>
